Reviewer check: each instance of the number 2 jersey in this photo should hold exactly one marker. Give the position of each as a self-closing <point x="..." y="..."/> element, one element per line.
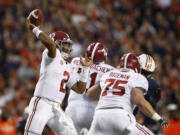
<point x="54" y="77"/>
<point x="95" y="73"/>
<point x="116" y="89"/>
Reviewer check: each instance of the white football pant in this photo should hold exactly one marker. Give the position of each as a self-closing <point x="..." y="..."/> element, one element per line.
<point x="81" y="113"/>
<point x="116" y="122"/>
<point x="43" y="111"/>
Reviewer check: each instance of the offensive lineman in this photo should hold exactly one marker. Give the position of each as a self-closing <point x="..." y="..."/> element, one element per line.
<point x="81" y="108"/>
<point x="44" y="107"/>
<point x="121" y="90"/>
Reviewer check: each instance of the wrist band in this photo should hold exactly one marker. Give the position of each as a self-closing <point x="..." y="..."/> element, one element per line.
<point x="156" y="117"/>
<point x="84" y="74"/>
<point x="36" y="31"/>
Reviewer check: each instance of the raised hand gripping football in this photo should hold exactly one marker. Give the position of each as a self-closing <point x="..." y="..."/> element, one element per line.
<point x="36" y="17"/>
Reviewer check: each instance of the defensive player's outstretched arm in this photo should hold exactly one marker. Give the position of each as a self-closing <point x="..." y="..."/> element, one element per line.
<point x="137" y="97"/>
<point x="44" y="38"/>
<point x="80" y="86"/>
<point x="94" y="92"/>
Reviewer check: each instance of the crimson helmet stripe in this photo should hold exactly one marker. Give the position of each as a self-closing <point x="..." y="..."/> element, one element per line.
<point x="94" y="50"/>
<point x="125" y="61"/>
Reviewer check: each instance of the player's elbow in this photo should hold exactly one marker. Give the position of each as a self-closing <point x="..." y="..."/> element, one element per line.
<point x="78" y="90"/>
<point x="81" y="90"/>
<point x="79" y="87"/>
<point x="82" y="87"/>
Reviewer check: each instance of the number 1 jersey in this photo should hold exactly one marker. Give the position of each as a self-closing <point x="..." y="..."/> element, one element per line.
<point x="95" y="73"/>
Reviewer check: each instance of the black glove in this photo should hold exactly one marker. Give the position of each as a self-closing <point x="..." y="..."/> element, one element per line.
<point x="163" y="123"/>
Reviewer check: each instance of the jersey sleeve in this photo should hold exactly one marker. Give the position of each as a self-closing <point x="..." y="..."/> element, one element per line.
<point x="153" y="90"/>
<point x="102" y="81"/>
<point x="74" y="77"/>
<point x="74" y="74"/>
<point x="46" y="58"/>
<point x="139" y="81"/>
<point x="75" y="64"/>
<point x="108" y="69"/>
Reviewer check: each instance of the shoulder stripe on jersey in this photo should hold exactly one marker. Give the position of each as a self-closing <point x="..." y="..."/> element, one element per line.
<point x="94" y="49"/>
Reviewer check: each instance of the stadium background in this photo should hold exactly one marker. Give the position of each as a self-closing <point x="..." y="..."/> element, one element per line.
<point x="139" y="26"/>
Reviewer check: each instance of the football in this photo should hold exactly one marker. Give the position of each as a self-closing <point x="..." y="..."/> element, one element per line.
<point x="36" y="17"/>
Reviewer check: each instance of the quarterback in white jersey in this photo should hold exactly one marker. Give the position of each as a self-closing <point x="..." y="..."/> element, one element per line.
<point x="44" y="107"/>
<point x="121" y="90"/>
<point x="81" y="108"/>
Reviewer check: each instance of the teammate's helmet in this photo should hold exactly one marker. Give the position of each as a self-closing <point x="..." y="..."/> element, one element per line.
<point x="147" y="63"/>
<point x="130" y="62"/>
<point x="97" y="52"/>
<point x="60" y="37"/>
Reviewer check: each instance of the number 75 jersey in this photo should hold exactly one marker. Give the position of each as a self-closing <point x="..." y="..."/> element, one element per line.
<point x="116" y="89"/>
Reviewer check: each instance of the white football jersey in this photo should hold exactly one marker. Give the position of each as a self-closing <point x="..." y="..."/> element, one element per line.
<point x="54" y="77"/>
<point x="95" y="73"/>
<point x="116" y="89"/>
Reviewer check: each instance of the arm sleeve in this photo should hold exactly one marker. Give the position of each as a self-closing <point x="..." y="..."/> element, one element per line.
<point x="139" y="81"/>
<point x="46" y="58"/>
<point x="102" y="81"/>
<point x="74" y="77"/>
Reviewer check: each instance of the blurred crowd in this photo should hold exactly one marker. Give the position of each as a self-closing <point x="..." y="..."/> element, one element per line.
<point x="139" y="26"/>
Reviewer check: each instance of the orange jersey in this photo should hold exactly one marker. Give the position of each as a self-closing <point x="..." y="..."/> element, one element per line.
<point x="52" y="133"/>
<point x="174" y="128"/>
<point x="7" y="128"/>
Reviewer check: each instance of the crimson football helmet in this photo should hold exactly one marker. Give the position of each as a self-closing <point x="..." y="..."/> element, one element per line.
<point x="60" y="38"/>
<point x="130" y="62"/>
<point x="97" y="52"/>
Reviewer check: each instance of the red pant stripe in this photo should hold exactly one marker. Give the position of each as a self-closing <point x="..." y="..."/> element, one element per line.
<point x="32" y="115"/>
<point x="142" y="129"/>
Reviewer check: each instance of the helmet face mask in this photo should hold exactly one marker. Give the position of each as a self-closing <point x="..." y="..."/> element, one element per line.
<point x="147" y="64"/>
<point x="65" y="49"/>
<point x="63" y="42"/>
